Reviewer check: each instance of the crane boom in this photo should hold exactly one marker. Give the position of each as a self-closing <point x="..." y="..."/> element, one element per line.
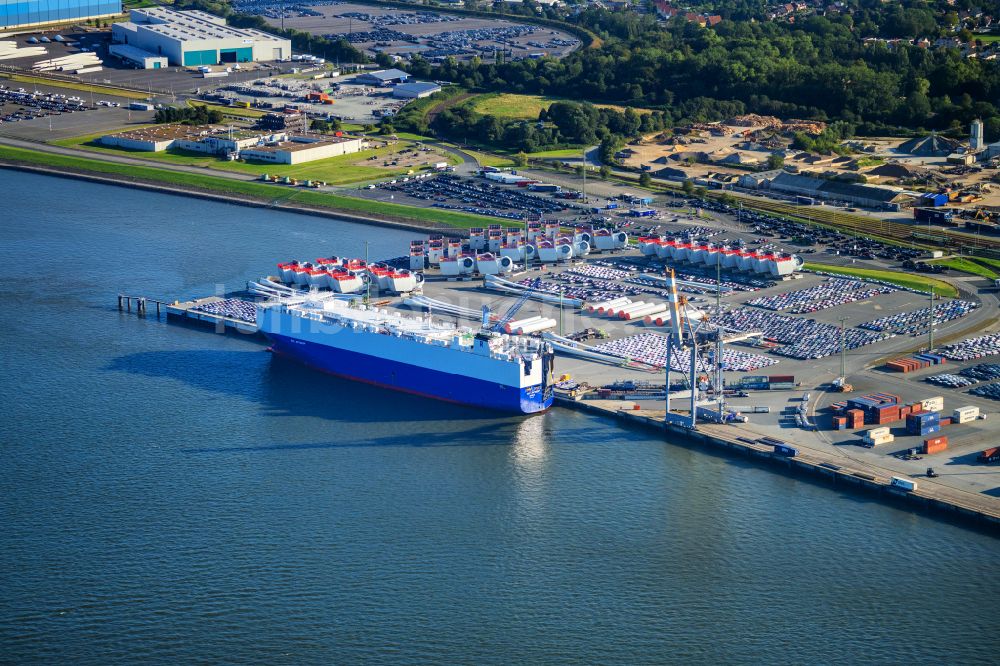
<point x="509" y="315"/>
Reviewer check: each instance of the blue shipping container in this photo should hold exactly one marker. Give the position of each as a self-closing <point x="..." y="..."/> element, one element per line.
<point x="787" y="451"/>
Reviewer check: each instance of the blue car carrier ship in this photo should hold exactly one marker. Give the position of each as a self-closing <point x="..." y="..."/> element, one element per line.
<point x="481" y="368"/>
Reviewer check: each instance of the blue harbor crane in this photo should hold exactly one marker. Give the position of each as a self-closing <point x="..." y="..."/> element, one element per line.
<point x="508" y="316"/>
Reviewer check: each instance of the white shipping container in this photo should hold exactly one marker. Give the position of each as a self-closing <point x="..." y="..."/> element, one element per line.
<point x="935" y="404"/>
<point x="905" y="484"/>
<point x="965" y="414"/>
<point x="877" y="432"/>
<point x="881" y="439"/>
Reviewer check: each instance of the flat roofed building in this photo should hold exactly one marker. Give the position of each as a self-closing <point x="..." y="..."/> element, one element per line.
<point x="194" y="38"/>
<point x="25" y="13"/>
<point x="138" y="57"/>
<point x="209" y="139"/>
<point x="300" y="149"/>
<point x="415" y="90"/>
<point x="383" y="77"/>
<point x="278" y="147"/>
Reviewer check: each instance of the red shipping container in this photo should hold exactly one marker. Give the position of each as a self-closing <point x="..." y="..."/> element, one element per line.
<point x="935" y="445"/>
<point x="945" y="420"/>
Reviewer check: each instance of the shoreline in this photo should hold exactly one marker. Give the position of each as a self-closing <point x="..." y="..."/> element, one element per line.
<point x="164" y="188"/>
<point x="809" y="463"/>
<point x="806" y="464"/>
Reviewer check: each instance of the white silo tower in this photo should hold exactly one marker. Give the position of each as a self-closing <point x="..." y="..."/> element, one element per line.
<point x="976" y="135"/>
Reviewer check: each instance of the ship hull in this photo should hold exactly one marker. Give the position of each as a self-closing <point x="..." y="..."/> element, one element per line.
<point x="416" y="380"/>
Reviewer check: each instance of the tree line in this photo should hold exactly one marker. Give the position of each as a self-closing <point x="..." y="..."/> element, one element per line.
<point x="817" y="68"/>
<point x="189" y="115"/>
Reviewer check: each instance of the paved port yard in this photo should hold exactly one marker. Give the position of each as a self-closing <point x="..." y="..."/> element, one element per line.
<point x="962" y="481"/>
<point x="957" y="467"/>
<point x="334" y="21"/>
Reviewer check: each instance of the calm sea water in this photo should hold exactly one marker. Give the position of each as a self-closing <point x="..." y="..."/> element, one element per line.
<point x="172" y="495"/>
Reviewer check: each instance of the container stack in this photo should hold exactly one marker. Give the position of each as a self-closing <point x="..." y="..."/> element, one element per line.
<point x="878" y="408"/>
<point x="964" y="414"/>
<point x="935" y="445"/>
<point x="840" y="422"/>
<point x="855" y="419"/>
<point x="877" y="436"/>
<point x="915" y="362"/>
<point x="935" y="404"/>
<point x="925" y="423"/>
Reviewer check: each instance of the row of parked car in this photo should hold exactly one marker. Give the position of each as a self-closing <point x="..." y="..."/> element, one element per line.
<point x="36" y="104"/>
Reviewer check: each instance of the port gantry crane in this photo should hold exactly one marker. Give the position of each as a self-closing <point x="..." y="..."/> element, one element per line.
<point x="507" y="316"/>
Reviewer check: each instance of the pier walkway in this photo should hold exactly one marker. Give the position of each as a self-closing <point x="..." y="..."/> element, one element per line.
<point x="928" y="494"/>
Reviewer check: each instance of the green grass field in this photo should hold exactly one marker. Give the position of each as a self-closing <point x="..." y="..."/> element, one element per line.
<point x="980" y="266"/>
<point x="489" y="159"/>
<point x="250" y="114"/>
<point x="557" y="154"/>
<point x="410" y="136"/>
<point x="526" y="107"/>
<point x="261" y="191"/>
<point x="341" y="170"/>
<point x="908" y="280"/>
<point x="986" y="39"/>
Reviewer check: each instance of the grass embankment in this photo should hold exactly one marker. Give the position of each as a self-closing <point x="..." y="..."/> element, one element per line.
<point x="907" y="280"/>
<point x="263" y="192"/>
<point x="980" y="266"/>
<point x="564" y="153"/>
<point x="489" y="159"/>
<point x="72" y="85"/>
<point x="340" y="170"/>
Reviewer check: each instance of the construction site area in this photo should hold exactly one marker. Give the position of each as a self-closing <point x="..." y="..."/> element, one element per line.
<point x="886" y="176"/>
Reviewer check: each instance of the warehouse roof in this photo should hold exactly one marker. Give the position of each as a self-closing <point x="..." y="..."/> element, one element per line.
<point x="302" y="143"/>
<point x="790" y="180"/>
<point x="416" y="88"/>
<point x="880" y="194"/>
<point x="189" y="25"/>
<point x="387" y="74"/>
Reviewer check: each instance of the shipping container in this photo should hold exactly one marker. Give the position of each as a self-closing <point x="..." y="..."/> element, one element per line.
<point x="904" y="484"/>
<point x="965" y="414"/>
<point x="935" y="445"/>
<point x="935" y="404"/>
<point x="785" y="450"/>
<point x="872" y="442"/>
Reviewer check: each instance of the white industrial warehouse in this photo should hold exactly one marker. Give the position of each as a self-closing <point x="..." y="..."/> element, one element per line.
<point x="194" y="38"/>
<point x="275" y="147"/>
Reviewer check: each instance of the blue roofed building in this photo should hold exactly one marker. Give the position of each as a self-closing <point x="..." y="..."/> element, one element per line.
<point x="25" y="13"/>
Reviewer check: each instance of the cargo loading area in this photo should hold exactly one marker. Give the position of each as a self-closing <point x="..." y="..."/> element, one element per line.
<point x="783" y="365"/>
<point x="957" y="466"/>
